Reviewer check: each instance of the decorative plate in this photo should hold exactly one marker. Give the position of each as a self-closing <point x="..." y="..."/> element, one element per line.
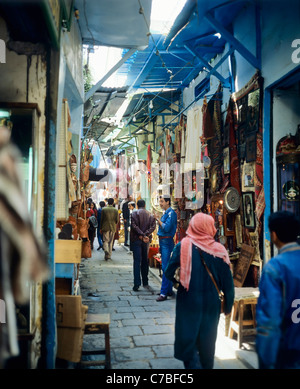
<point x="232" y="199"/>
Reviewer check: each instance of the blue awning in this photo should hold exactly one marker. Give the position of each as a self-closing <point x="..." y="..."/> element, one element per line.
<point x="173" y="61"/>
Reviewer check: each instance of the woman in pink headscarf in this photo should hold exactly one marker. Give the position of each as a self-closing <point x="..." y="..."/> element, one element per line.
<point x="198" y="303"/>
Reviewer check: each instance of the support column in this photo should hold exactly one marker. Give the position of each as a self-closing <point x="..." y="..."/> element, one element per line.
<point x="49" y="307"/>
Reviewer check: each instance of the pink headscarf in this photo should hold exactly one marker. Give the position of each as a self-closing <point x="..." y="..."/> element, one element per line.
<point x="201" y="232"/>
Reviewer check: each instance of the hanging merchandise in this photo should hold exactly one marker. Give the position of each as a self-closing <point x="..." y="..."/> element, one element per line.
<point x="96" y="155"/>
<point x="248" y="177"/>
<point x="288" y="173"/>
<point x="62" y="198"/>
<point x="208" y="129"/>
<point x="162" y="154"/>
<point x="182" y="152"/>
<point x="232" y="200"/>
<point x="178" y="136"/>
<point x="193" y="138"/>
<point x="149" y="160"/>
<point x="74" y="186"/>
<point x="86" y="160"/>
<point x="248" y="118"/>
<point x="233" y="151"/>
<point x="215" y="144"/>
<point x="238" y="231"/>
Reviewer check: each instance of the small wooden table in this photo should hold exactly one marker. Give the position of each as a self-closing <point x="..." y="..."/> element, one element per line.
<point x="243" y="297"/>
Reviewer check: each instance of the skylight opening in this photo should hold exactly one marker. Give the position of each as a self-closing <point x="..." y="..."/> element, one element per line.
<point x="163" y="15"/>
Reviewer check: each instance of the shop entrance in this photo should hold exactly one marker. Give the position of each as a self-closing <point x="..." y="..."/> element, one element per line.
<point x="282" y="147"/>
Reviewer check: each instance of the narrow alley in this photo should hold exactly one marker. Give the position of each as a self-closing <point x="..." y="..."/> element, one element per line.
<point x="170" y="129"/>
<point x="141" y="329"/>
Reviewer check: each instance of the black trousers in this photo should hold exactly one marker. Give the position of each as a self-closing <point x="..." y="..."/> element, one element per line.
<point x="91" y="233"/>
<point x="140" y="262"/>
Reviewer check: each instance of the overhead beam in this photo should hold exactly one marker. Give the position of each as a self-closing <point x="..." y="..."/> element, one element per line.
<point x="156" y="95"/>
<point x="238" y="46"/>
<point x="151" y="61"/>
<point x="94" y="88"/>
<point x="211" y="69"/>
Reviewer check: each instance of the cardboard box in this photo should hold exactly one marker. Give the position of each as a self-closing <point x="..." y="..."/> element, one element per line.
<point x="69" y="340"/>
<point x="67" y="251"/>
<point x="68" y="311"/>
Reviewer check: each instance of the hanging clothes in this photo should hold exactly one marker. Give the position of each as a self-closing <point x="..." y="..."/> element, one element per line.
<point x="178" y="136"/>
<point x="234" y="159"/>
<point x="207" y="111"/>
<point x="193" y="138"/>
<point x="162" y="154"/>
<point x="183" y="135"/>
<point x="215" y="145"/>
<point x="96" y="156"/>
<point x="149" y="161"/>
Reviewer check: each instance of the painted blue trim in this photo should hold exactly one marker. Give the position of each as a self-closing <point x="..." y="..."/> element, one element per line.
<point x="267" y="158"/>
<point x="232" y="40"/>
<point x="49" y="314"/>
<point x="148" y="66"/>
<point x="280" y="82"/>
<point x="258" y="32"/>
<point x="64" y="270"/>
<point x="268" y="152"/>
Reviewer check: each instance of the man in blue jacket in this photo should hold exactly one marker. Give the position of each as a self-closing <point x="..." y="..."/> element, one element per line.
<point x="278" y="308"/>
<point x="166" y="231"/>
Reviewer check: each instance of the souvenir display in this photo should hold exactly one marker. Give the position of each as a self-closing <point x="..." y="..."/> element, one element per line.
<point x="288" y="173"/>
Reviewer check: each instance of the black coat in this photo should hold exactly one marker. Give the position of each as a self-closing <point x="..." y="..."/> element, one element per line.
<point x="125" y="210"/>
<point x="198" y="309"/>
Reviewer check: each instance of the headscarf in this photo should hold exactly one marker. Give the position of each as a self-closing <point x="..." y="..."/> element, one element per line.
<point x="201" y="232"/>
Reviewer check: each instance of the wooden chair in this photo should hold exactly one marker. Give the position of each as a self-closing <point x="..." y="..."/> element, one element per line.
<point x="98" y="324"/>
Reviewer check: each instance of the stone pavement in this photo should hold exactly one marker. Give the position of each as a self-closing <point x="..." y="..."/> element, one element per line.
<point x="142" y="329"/>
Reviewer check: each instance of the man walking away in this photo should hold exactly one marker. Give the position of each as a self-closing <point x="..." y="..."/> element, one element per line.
<point x="142" y="226"/>
<point x="131" y="206"/>
<point x="166" y="231"/>
<point x="108" y="226"/>
<point x="278" y="313"/>
<point x="99" y="236"/>
<point x="126" y="215"/>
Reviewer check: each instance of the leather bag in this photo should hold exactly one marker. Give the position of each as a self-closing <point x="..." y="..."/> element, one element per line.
<point x="220" y="293"/>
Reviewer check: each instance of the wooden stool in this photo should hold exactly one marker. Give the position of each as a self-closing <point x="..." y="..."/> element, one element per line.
<point x="237" y="322"/>
<point x="98" y="324"/>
